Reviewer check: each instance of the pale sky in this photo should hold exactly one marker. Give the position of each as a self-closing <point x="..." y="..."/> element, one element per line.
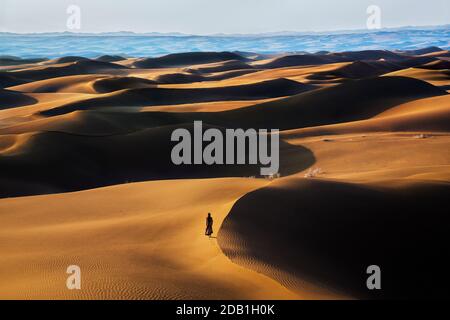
<point x="217" y="16"/>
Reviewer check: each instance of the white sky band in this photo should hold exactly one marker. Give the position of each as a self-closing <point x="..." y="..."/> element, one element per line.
<point x="217" y="16"/>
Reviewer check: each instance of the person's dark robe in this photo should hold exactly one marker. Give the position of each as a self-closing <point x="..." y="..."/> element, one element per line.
<point x="209" y="226"/>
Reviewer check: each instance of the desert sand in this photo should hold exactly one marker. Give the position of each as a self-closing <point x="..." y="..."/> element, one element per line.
<point x="364" y="178"/>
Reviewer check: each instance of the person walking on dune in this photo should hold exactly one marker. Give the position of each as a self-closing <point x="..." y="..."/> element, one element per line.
<point x="209" y="225"/>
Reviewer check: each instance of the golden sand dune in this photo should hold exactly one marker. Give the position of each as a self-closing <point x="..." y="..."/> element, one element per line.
<point x="422" y="115"/>
<point x="114" y="158"/>
<point x="179" y="78"/>
<point x="134" y="241"/>
<point x="364" y="166"/>
<point x="298" y="60"/>
<point x="65" y="84"/>
<point x="95" y="123"/>
<point x="112" y="84"/>
<point x="357" y="70"/>
<point x="350" y="101"/>
<point x="295" y="73"/>
<point x="437" y="65"/>
<point x="438" y="54"/>
<point x="340" y="158"/>
<point x="370" y="206"/>
<point x="220" y="67"/>
<point x="328" y="232"/>
<point x="416" y="61"/>
<point x="215" y="106"/>
<point x="40" y="102"/>
<point x="78" y="67"/>
<point x="439" y="78"/>
<point x="166" y="96"/>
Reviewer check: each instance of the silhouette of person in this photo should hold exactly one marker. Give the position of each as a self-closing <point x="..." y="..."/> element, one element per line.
<point x="209" y="225"/>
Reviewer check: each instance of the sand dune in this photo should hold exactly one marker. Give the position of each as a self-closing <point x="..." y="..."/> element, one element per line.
<point x="299" y="60"/>
<point x="422" y="51"/>
<point x="145" y="246"/>
<point x="216" y="106"/>
<point x="111" y="159"/>
<point x="71" y="84"/>
<point x="436" y="77"/>
<point x="112" y="84"/>
<point x="350" y="101"/>
<point x="14" y="61"/>
<point x="84" y="66"/>
<point x="66" y="60"/>
<point x="357" y="70"/>
<point x="422" y="115"/>
<point x="45" y="101"/>
<point x="7" y="80"/>
<point x="177" y="78"/>
<point x="186" y="59"/>
<point x="443" y="55"/>
<point x="365" y="169"/>
<point x="220" y="67"/>
<point x="368" y="55"/>
<point x="281" y="231"/>
<point x="436" y="65"/>
<point x="166" y="96"/>
<point x="416" y="61"/>
<point x="370" y="206"/>
<point x="313" y="108"/>
<point x="12" y="99"/>
<point x="110" y="58"/>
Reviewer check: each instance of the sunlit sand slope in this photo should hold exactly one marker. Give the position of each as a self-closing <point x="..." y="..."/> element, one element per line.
<point x="136" y="241"/>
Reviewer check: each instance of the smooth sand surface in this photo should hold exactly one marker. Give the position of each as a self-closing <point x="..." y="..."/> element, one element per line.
<point x="135" y="241"/>
<point x="87" y="178"/>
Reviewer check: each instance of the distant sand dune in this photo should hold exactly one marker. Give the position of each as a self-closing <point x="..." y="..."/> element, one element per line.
<point x="435" y="77"/>
<point x="350" y="101"/>
<point x="186" y="59"/>
<point x="177" y="78"/>
<point x="299" y="60"/>
<point x="220" y="67"/>
<point x="167" y="96"/>
<point x="65" y="84"/>
<point x="110" y="58"/>
<point x="120" y="83"/>
<point x="437" y="65"/>
<point x="369" y="55"/>
<point x="357" y="70"/>
<point x="78" y="67"/>
<point x="16" y="61"/>
<point x="422" y="51"/>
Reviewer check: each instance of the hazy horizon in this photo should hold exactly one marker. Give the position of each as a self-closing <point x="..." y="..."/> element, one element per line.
<point x="199" y="17"/>
<point x="337" y="31"/>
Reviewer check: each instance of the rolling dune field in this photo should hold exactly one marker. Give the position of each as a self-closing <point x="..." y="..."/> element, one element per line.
<point x="364" y="178"/>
